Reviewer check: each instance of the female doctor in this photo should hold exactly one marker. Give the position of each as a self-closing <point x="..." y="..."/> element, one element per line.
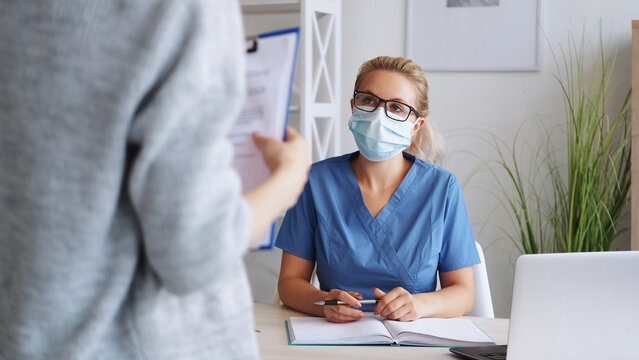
<point x="380" y="222"/>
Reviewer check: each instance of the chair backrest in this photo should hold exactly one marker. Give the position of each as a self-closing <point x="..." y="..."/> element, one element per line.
<point x="483" y="300"/>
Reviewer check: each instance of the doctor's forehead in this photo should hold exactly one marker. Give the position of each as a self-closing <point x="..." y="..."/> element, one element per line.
<point x="389" y="85"/>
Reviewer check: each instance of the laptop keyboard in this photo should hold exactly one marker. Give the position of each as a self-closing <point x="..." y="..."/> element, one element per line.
<point x="495" y="356"/>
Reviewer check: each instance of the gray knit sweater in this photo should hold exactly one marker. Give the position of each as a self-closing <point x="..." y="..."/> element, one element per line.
<point x="121" y="219"/>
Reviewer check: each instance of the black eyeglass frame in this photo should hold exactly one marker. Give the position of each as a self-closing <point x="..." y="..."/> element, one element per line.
<point x="385" y="102"/>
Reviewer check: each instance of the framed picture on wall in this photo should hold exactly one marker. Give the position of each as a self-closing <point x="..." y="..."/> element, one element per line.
<point x="474" y="35"/>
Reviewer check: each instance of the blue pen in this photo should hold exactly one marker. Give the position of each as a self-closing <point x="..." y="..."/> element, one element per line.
<point x="339" y="302"/>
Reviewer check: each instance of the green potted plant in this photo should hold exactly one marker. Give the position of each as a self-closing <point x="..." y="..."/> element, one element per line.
<point x="578" y="202"/>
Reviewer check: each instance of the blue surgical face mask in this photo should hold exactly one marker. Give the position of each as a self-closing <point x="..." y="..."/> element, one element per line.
<point x="377" y="136"/>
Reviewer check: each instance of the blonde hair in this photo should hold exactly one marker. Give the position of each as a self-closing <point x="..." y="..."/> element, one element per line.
<point x="427" y="143"/>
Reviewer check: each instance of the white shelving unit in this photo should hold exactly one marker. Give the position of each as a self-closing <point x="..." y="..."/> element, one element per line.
<point x="315" y="105"/>
<point x="315" y="108"/>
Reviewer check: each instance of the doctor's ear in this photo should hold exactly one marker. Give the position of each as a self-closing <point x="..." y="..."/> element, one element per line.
<point x="352" y="104"/>
<point x="418" y="124"/>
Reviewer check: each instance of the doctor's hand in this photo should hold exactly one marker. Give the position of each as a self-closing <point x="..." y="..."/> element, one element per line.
<point x="397" y="304"/>
<point x="343" y="313"/>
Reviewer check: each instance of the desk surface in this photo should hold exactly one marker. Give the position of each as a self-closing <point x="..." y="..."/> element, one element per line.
<point x="269" y="320"/>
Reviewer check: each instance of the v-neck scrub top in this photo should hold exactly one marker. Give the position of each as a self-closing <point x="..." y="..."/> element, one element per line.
<point x="423" y="228"/>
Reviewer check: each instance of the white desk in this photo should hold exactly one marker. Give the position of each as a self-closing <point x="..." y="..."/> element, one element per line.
<point x="273" y="343"/>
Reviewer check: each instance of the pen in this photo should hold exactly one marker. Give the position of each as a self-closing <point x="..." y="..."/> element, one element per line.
<point x="339" y="302"/>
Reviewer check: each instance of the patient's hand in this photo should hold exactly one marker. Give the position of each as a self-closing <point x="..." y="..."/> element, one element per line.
<point x="343" y="313"/>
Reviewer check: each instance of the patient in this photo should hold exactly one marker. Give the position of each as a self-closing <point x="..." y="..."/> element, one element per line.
<point x="380" y="222"/>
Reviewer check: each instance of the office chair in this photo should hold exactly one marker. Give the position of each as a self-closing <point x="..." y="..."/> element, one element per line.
<point x="483" y="300"/>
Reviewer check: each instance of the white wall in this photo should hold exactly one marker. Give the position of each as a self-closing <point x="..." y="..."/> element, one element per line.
<point x="467" y="106"/>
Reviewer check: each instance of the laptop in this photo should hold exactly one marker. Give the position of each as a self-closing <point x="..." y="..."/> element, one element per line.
<point x="571" y="306"/>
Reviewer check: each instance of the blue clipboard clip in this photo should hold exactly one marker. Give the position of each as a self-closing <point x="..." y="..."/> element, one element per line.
<point x="253" y="40"/>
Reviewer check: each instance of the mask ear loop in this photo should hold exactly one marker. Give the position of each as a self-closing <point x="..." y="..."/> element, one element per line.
<point x="423" y="121"/>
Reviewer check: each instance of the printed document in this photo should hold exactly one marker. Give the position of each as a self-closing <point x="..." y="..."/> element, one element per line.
<point x="270" y="70"/>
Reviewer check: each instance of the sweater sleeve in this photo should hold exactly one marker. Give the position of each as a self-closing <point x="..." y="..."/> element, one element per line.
<point x="193" y="219"/>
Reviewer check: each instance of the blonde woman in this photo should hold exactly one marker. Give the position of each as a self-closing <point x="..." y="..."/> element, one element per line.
<point x="379" y="223"/>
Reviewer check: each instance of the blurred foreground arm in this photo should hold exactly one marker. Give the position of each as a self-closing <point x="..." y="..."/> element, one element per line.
<point x="289" y="162"/>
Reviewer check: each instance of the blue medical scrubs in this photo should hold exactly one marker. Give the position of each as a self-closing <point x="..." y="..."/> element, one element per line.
<point x="423" y="228"/>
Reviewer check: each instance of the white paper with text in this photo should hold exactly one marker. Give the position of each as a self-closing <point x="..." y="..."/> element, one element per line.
<point x="269" y="77"/>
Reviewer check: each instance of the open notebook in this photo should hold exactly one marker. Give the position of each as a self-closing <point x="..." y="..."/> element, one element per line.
<point x="375" y="330"/>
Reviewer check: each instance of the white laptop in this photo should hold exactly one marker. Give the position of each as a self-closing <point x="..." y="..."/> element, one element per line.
<point x="572" y="306"/>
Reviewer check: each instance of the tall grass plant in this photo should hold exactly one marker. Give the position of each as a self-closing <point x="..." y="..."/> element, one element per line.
<point x="572" y="204"/>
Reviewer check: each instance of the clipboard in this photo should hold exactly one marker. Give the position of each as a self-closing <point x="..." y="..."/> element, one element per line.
<point x="253" y="50"/>
<point x="270" y="60"/>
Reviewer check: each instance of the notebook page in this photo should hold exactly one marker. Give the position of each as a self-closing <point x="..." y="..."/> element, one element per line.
<point x="455" y="329"/>
<point x="318" y="330"/>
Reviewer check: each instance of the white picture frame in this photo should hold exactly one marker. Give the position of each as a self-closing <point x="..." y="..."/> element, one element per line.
<point x="474" y="35"/>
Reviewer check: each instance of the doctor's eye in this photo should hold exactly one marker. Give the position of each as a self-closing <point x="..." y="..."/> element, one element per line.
<point x="367" y="100"/>
<point x="398" y="108"/>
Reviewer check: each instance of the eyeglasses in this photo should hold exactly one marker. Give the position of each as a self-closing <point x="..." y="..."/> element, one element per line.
<point x="395" y="110"/>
